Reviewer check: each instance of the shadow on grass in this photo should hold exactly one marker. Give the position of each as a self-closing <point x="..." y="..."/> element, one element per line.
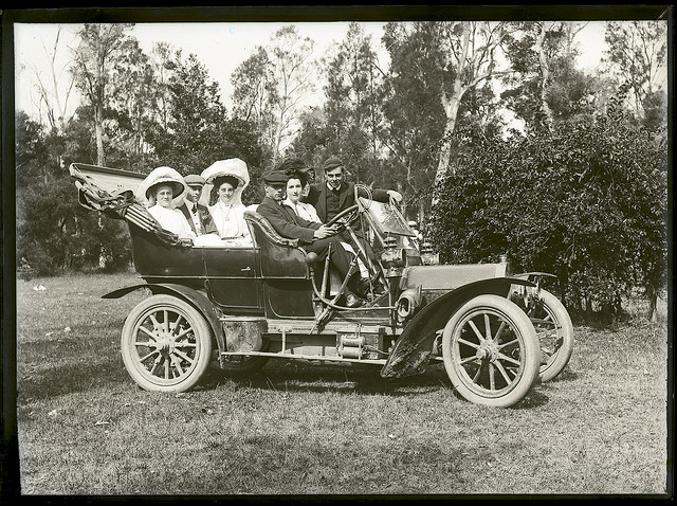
<point x="534" y="399"/>
<point x="70" y="378"/>
<point x="565" y="375"/>
<point x="337" y="378"/>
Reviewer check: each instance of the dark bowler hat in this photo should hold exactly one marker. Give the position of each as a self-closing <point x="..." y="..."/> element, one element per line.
<point x="275" y="176"/>
<point x="332" y="163"/>
<point x="194" y="180"/>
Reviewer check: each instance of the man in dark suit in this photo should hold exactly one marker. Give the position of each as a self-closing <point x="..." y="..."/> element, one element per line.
<point x="335" y="194"/>
<point x="312" y="236"/>
<point x="198" y="216"/>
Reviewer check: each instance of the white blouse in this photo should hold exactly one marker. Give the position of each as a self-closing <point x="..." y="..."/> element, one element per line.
<point x="172" y="220"/>
<point x="229" y="220"/>
<point x="303" y="210"/>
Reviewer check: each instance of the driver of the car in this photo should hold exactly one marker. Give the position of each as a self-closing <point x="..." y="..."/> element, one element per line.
<point x="336" y="194"/>
<point x="312" y="236"/>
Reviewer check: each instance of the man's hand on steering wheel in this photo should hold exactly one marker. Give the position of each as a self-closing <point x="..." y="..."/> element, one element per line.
<point x="345" y="217"/>
<point x="326" y="231"/>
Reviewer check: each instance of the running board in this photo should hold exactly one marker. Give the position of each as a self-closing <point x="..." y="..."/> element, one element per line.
<point x="322" y="358"/>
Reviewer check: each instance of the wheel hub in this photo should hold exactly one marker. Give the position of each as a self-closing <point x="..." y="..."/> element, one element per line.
<point x="488" y="350"/>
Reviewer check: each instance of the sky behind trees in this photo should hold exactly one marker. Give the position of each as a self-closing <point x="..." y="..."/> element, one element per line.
<point x="221" y="47"/>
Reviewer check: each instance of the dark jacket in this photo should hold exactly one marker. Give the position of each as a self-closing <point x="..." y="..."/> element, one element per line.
<point x="318" y="197"/>
<point x="205" y="218"/>
<point x="286" y="222"/>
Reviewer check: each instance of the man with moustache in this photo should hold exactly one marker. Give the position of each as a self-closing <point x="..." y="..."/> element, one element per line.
<point x="313" y="237"/>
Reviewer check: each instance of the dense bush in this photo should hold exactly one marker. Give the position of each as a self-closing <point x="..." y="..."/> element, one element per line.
<point x="585" y="200"/>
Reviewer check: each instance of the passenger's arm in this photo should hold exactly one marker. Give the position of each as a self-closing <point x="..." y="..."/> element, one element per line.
<point x="380" y="195"/>
<point x="286" y="228"/>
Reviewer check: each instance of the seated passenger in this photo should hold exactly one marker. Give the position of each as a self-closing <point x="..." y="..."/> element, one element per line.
<point x="312" y="236"/>
<point x="198" y="216"/>
<point x="163" y="187"/>
<point x="226" y="179"/>
<point x="296" y="186"/>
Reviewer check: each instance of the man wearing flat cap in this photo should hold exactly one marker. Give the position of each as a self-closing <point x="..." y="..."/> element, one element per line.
<point x="198" y="216"/>
<point x="312" y="236"/>
<point x="335" y="194"/>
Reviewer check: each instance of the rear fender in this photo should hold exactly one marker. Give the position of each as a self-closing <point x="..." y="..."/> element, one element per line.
<point x="190" y="295"/>
<point x="415" y="345"/>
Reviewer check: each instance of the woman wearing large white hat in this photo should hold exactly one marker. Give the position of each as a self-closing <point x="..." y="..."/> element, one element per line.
<point x="163" y="189"/>
<point x="225" y="181"/>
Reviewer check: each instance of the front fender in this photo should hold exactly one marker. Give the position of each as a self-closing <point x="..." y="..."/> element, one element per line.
<point x="190" y="295"/>
<point x="415" y="345"/>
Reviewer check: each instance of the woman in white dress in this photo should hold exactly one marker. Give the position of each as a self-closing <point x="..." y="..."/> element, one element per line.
<point x="226" y="179"/>
<point x="297" y="187"/>
<point x="163" y="188"/>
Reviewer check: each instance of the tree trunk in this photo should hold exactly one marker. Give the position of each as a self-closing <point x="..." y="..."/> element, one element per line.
<point x="98" y="128"/>
<point x="451" y="105"/>
<point x="545" y="76"/>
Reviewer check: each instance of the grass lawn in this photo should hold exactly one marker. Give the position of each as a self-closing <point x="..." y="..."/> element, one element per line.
<point x="299" y="428"/>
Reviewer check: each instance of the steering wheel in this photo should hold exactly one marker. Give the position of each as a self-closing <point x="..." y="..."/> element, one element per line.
<point x="345" y="217"/>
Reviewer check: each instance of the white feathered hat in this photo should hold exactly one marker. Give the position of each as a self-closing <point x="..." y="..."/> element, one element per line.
<point x="233" y="167"/>
<point x="162" y="175"/>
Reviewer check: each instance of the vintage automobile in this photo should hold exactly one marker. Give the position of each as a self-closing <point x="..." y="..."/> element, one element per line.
<point x="495" y="333"/>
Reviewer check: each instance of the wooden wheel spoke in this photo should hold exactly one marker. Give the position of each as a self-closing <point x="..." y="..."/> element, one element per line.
<point x="186" y="344"/>
<point x="165" y="323"/>
<point x="477" y="373"/>
<point x="156" y="363"/>
<point x="468" y="360"/>
<point x="143" y="359"/>
<point x="487" y="326"/>
<point x="177" y="364"/>
<point x="468" y="343"/>
<point x="175" y="325"/>
<point x="181" y="334"/>
<point x="185" y="357"/>
<point x="501" y="346"/>
<point x="156" y="324"/>
<point x="547" y="351"/>
<point x="476" y="330"/>
<point x="492" y="380"/>
<point x="503" y="372"/>
<point x="166" y="369"/>
<point x="147" y="332"/>
<point x="509" y="359"/>
<point x="499" y="332"/>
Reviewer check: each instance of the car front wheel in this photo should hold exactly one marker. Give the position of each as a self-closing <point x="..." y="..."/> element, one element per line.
<point x="166" y="344"/>
<point x="490" y="351"/>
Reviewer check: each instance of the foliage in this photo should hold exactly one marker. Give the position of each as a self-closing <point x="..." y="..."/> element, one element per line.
<point x="270" y="86"/>
<point x="637" y="54"/>
<point x="586" y="201"/>
<point x="198" y="130"/>
<point x="54" y="233"/>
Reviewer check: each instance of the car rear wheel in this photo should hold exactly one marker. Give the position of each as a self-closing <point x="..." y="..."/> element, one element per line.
<point x="555" y="333"/>
<point x="166" y="344"/>
<point x="491" y="352"/>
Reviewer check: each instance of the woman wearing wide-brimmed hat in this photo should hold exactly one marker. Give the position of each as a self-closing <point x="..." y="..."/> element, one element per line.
<point x="163" y="189"/>
<point x="226" y="179"/>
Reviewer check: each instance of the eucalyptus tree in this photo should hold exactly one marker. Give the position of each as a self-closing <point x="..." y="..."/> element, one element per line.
<point x="636" y="54"/>
<point x="271" y="85"/>
<point x="100" y="64"/>
<point x="545" y="85"/>
<point x="353" y="103"/>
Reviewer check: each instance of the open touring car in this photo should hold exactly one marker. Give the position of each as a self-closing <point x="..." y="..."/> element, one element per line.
<point x="494" y="332"/>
